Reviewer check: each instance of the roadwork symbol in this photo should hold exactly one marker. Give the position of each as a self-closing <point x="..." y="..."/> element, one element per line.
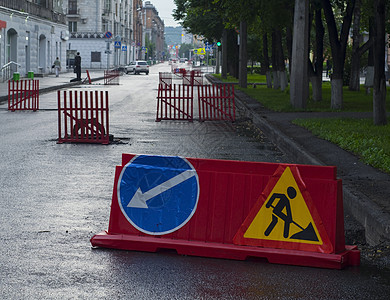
<point x="284" y="217"/>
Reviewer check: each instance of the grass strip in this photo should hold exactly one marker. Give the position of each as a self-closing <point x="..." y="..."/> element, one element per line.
<point x="359" y="136"/>
<point x="277" y="100"/>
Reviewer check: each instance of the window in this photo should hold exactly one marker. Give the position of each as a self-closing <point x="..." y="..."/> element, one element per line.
<point x="96" y="56"/>
<point x="72" y="7"/>
<point x="72" y="26"/>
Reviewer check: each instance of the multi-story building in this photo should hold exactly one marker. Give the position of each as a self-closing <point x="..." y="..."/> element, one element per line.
<point x="153" y="33"/>
<point x="102" y="33"/>
<point x="138" y="17"/>
<point x="107" y="34"/>
<point x="32" y="34"/>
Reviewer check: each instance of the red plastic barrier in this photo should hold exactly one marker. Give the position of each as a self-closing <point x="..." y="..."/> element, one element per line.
<point x="179" y="71"/>
<point x="216" y="102"/>
<point x="111" y="77"/>
<point x="175" y="102"/>
<point x="230" y="201"/>
<point x="83" y="117"/>
<point x="23" y="95"/>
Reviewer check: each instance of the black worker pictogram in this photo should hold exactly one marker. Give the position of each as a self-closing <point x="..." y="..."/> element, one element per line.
<point x="281" y="210"/>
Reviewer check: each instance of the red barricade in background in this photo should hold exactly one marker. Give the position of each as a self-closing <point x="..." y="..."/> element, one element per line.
<point x="193" y="77"/>
<point x="216" y="102"/>
<point x="165" y="78"/>
<point x="23" y="95"/>
<point x="111" y="77"/>
<point x="229" y="209"/>
<point x="175" y="102"/>
<point x="83" y="117"/>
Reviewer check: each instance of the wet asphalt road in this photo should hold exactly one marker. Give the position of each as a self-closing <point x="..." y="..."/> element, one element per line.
<point x="55" y="197"/>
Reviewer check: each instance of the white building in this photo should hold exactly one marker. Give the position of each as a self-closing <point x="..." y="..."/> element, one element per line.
<point x="101" y="32"/>
<point x="31" y="36"/>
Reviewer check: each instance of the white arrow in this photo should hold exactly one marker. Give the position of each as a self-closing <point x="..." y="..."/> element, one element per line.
<point x="139" y="199"/>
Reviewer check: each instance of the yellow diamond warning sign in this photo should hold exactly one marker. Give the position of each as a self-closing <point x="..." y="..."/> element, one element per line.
<point x="284" y="217"/>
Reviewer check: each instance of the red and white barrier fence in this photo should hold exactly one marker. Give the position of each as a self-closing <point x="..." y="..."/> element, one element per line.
<point x="83" y="117"/>
<point x="23" y="95"/>
<point x="111" y="77"/>
<point x="216" y="102"/>
<point x="165" y="78"/>
<point x="193" y="77"/>
<point x="175" y="102"/>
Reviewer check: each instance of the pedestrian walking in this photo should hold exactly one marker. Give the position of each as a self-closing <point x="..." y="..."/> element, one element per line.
<point x="77" y="63"/>
<point x="57" y="66"/>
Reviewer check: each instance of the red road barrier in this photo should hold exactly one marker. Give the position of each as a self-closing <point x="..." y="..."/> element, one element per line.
<point x="83" y="117"/>
<point x="286" y="213"/>
<point x="111" y="77"/>
<point x="180" y="71"/>
<point x="89" y="77"/>
<point x="165" y="79"/>
<point x="23" y="95"/>
<point x="193" y="77"/>
<point x="216" y="102"/>
<point x="175" y="102"/>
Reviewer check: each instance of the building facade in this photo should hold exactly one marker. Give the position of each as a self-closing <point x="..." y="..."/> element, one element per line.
<point x="102" y="33"/>
<point x="108" y="33"/>
<point x="32" y="34"/>
<point x="153" y="33"/>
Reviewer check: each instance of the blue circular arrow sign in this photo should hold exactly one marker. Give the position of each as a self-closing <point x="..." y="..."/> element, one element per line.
<point x="158" y="194"/>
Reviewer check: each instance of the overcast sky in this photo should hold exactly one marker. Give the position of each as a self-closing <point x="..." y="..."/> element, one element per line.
<point x="165" y="8"/>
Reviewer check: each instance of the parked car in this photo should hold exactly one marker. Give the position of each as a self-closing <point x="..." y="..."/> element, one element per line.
<point x="137" y="67"/>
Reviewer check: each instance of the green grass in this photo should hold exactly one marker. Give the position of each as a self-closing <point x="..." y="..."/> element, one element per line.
<point x="359" y="136"/>
<point x="278" y="100"/>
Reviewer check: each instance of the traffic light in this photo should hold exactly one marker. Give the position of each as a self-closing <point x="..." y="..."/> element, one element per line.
<point x="219" y="44"/>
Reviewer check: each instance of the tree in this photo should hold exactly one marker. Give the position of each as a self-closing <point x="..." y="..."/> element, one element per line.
<point x="299" y="87"/>
<point x="357" y="49"/>
<point x="316" y="68"/>
<point x="338" y="45"/>
<point x="379" y="94"/>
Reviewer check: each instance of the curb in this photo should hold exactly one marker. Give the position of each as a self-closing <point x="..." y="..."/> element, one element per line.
<point x="53" y="88"/>
<point x="375" y="222"/>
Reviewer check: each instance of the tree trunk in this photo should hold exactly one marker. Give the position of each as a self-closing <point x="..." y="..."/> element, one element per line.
<point x="289" y="46"/>
<point x="243" y="60"/>
<point x="369" y="80"/>
<point x="281" y="67"/>
<point x="336" y="94"/>
<point x="338" y="47"/>
<point x="275" y="76"/>
<point x="224" y="54"/>
<point x="354" y="80"/>
<point x="299" y="83"/>
<point x="316" y="85"/>
<point x="319" y="57"/>
<point x="379" y="95"/>
<point x="232" y="54"/>
<point x="266" y="62"/>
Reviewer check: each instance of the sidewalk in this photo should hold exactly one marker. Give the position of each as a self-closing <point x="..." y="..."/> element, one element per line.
<point x="366" y="190"/>
<point x="51" y="82"/>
